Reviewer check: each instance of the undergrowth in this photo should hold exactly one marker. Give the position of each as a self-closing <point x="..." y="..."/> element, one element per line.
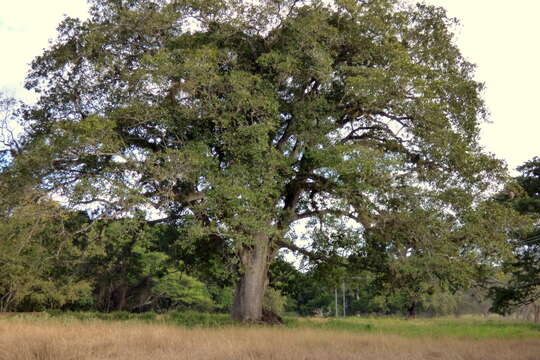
<point x="470" y="327"/>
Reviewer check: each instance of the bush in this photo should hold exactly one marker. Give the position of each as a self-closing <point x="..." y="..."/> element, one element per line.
<point x="274" y="301"/>
<point x="182" y="292"/>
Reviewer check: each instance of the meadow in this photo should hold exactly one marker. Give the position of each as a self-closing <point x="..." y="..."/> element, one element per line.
<point x="83" y="336"/>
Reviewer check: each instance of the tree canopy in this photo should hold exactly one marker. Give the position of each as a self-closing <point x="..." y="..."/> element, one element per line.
<point x="238" y="120"/>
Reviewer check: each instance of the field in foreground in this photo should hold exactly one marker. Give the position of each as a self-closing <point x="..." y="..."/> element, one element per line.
<point x="75" y="340"/>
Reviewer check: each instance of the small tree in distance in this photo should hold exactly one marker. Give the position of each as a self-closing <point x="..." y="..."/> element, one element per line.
<point x="241" y="119"/>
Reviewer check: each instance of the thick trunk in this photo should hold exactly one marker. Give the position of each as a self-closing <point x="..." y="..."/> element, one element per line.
<point x="249" y="294"/>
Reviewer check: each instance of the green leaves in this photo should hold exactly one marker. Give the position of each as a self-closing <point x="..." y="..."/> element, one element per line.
<point x="237" y="120"/>
<point x="520" y="283"/>
<point x="184" y="292"/>
<point x="231" y="100"/>
<point x="37" y="256"/>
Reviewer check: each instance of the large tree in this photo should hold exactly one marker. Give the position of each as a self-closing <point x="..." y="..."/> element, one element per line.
<point x="243" y="118"/>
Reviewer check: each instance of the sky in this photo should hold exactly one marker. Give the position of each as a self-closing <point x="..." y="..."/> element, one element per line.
<point x="500" y="37"/>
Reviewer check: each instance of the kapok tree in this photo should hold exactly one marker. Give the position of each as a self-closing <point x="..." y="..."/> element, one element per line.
<point x="241" y="119"/>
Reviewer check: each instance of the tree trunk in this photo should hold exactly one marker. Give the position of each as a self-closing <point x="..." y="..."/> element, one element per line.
<point x="411" y="311"/>
<point x="120" y="297"/>
<point x="249" y="294"/>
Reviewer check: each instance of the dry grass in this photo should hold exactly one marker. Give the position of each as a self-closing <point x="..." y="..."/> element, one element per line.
<point x="73" y="340"/>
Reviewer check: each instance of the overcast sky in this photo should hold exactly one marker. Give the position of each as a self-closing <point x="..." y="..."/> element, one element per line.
<point x="501" y="37"/>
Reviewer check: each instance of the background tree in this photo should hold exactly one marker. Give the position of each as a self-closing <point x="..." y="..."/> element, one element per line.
<point x="418" y="249"/>
<point x="245" y="119"/>
<point x="38" y="256"/>
<point x="137" y="266"/>
<point x="37" y="248"/>
<point x="523" y="285"/>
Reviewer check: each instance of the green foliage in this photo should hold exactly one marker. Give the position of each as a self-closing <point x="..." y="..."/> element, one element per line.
<point x="274" y="301"/>
<point x="138" y="267"/>
<point x="112" y="316"/>
<point x="234" y="121"/>
<point x="475" y="328"/>
<point x="242" y="114"/>
<point x="461" y="328"/>
<point x="183" y="292"/>
<point x="522" y="283"/>
<point x="306" y="293"/>
<point x="442" y="303"/>
<point x="37" y="256"/>
<point x="530" y="182"/>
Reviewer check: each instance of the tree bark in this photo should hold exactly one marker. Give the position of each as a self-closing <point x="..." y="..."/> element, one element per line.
<point x="250" y="288"/>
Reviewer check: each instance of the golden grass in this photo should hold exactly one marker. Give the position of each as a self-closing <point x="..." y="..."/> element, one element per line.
<point x="73" y="340"/>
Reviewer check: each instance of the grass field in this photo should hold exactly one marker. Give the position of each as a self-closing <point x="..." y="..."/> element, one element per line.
<point x="158" y="338"/>
<point x="463" y="328"/>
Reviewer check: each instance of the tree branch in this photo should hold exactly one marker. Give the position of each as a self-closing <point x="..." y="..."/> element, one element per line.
<point x="320" y="213"/>
<point x="309" y="254"/>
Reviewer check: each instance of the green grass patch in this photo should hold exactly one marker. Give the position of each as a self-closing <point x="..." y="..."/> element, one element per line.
<point x="472" y="328"/>
<point x="197" y="319"/>
<point x="112" y="316"/>
<point x="188" y="319"/>
<point x="466" y="327"/>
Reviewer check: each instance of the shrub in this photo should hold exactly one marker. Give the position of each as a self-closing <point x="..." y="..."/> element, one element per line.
<point x="274" y="301"/>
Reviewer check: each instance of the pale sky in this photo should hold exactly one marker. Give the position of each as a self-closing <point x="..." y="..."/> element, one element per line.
<point x="501" y="37"/>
